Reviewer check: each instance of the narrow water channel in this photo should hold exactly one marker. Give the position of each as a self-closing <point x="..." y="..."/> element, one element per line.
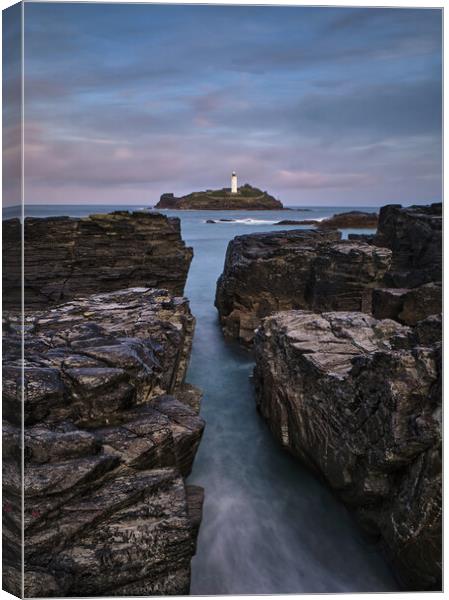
<point x="269" y="526"/>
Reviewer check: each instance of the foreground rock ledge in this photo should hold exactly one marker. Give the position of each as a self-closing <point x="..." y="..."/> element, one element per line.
<point x="111" y="430"/>
<point x="99" y="253"/>
<point x="299" y="269"/>
<point x="359" y="401"/>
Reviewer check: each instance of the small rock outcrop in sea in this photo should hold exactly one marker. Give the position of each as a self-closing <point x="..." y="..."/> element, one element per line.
<point x="359" y="401"/>
<point x="412" y="287"/>
<point x="67" y="257"/>
<point x="353" y="219"/>
<point x="246" y="198"/>
<point x="299" y="269"/>
<point x="111" y="431"/>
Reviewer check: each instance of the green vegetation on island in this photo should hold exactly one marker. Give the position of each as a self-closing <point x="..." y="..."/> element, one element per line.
<point x="247" y="197"/>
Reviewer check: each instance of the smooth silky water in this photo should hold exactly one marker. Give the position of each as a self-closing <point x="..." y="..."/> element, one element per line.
<point x="269" y="525"/>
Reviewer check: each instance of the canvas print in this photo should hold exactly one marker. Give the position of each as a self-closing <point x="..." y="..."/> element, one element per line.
<point x="222" y="297"/>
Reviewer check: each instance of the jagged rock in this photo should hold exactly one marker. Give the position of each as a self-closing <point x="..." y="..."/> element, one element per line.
<point x="412" y="286"/>
<point x="246" y="198"/>
<point x="352" y="219"/>
<point x="359" y="401"/>
<point x="408" y="306"/>
<point x="361" y="237"/>
<point x="429" y="331"/>
<point x="82" y="256"/>
<point x="300" y="269"/>
<point x="108" y="440"/>
<point x="414" y="235"/>
<point x="344" y="275"/>
<point x="297" y="222"/>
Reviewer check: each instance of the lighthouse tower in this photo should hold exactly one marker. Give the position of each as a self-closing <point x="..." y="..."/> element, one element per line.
<point x="233" y="183"/>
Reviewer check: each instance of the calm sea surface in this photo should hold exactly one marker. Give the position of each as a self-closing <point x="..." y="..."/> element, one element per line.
<point x="269" y="526"/>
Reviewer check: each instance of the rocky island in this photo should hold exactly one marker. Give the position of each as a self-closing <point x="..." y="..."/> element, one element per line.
<point x="245" y="197"/>
<point x="111" y="426"/>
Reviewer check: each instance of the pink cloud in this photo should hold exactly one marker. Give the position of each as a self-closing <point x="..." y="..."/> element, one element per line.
<point x="317" y="180"/>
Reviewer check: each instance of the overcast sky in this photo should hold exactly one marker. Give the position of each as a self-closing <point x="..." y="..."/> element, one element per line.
<point x="325" y="106"/>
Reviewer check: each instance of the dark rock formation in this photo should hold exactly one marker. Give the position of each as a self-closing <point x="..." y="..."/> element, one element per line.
<point x="297" y="222"/>
<point x="362" y="237"/>
<point x="414" y="235"/>
<point x="300" y="269"/>
<point x="413" y="283"/>
<point x="353" y="219"/>
<point x="359" y="401"/>
<point x="110" y="431"/>
<point x="246" y="198"/>
<point x="344" y="275"/>
<point x="67" y="257"/>
<point x="220" y="221"/>
<point x="408" y="306"/>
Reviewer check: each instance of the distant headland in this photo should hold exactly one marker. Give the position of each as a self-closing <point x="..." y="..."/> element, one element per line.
<point x="245" y="197"/>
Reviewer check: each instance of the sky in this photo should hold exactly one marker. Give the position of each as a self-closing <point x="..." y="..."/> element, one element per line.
<point x="318" y="106"/>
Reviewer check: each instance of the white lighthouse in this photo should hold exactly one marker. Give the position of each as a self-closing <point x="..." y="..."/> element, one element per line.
<point x="233" y="183"/>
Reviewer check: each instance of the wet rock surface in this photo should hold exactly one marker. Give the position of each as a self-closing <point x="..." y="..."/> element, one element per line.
<point x="111" y="430"/>
<point x="359" y="401"/>
<point x="300" y="269"/>
<point x="67" y="257"/>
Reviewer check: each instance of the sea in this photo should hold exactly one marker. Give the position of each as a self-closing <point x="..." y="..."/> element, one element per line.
<point x="269" y="525"/>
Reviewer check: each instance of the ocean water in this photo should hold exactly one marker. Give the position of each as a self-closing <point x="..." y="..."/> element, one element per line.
<point x="269" y="525"/>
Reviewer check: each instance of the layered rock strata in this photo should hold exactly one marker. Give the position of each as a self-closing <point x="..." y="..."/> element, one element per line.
<point x="299" y="269"/>
<point x="412" y="286"/>
<point x="408" y="306"/>
<point x="111" y="430"/>
<point x="67" y="257"/>
<point x="359" y="401"/>
<point x="414" y="235"/>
